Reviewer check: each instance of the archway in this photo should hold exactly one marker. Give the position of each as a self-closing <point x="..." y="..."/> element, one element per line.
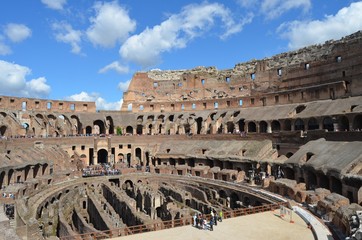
<point x="110" y="125"/>
<point x="343" y="123"/>
<point x="357" y="123"/>
<point x="241" y="125"/>
<point x="120" y="157"/>
<point x="251" y="127"/>
<point x="328" y="124"/>
<point x="299" y="125"/>
<point x="139" y="129"/>
<point x="88" y="130"/>
<point x="139" y="156"/>
<point x="275" y="126"/>
<point x="263" y="127"/>
<point x="313" y="124"/>
<point x="100" y="128"/>
<point x="129" y="130"/>
<point x="102" y="156"/>
<point x="287" y="125"/>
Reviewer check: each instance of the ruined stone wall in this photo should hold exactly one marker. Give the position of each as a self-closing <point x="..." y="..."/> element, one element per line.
<point x="45" y="105"/>
<point x="327" y="71"/>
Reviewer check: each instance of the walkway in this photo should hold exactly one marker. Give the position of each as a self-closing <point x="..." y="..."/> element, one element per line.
<point x="267" y="225"/>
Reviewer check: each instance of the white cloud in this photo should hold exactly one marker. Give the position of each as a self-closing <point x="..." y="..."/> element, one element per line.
<point x="17" y="32"/>
<point x="66" y="33"/>
<point x="123" y="86"/>
<point x="13" y="81"/>
<point x="101" y="103"/>
<point x="4" y="49"/>
<point x="274" y="8"/>
<point x="193" y="21"/>
<point x="54" y="4"/>
<point x="247" y="3"/>
<point x="36" y="88"/>
<point x="111" y="25"/>
<point x="116" y="66"/>
<point x="303" y="33"/>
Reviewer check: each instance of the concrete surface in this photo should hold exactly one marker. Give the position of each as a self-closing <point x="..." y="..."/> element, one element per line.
<point x="267" y="226"/>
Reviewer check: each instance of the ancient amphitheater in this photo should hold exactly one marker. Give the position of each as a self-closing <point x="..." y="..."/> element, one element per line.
<point x="268" y="134"/>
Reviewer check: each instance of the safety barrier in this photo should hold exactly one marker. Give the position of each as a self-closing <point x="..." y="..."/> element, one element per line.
<point x="124" y="231"/>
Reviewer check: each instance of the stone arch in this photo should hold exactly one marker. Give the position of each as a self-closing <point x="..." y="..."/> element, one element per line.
<point x="343" y="123"/>
<point x="275" y="126"/>
<point x="138" y="154"/>
<point x="313" y="124"/>
<point x="241" y="124"/>
<point x="102" y="156"/>
<point x="287" y="125"/>
<point x="357" y="122"/>
<point x="129" y="130"/>
<point x="120" y="157"/>
<point x="76" y="124"/>
<point x="299" y="125"/>
<point x="99" y="127"/>
<point x="263" y="127"/>
<point x="139" y="129"/>
<point x="328" y="124"/>
<point x="88" y="130"/>
<point x="251" y="127"/>
<point x="110" y="124"/>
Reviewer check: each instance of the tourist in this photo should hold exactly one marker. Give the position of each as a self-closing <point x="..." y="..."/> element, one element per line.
<point x="195" y="219"/>
<point x="212" y="223"/>
<point x="220" y="216"/>
<point x="214" y="216"/>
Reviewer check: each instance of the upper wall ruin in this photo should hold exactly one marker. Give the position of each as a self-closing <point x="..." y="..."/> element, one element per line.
<point x="34" y="104"/>
<point x="325" y="71"/>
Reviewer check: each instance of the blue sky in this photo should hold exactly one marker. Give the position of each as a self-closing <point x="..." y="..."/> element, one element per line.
<point x="88" y="50"/>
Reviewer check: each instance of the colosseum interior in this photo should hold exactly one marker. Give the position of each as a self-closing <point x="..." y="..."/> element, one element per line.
<point x="187" y="141"/>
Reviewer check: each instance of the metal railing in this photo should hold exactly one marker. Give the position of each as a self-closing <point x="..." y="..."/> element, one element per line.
<point x="125" y="231"/>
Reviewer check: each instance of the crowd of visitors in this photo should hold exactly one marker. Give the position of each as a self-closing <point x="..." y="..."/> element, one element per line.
<point x="100" y="170"/>
<point x="207" y="222"/>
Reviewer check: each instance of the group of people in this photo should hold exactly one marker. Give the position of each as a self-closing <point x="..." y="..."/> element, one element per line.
<point x="201" y="220"/>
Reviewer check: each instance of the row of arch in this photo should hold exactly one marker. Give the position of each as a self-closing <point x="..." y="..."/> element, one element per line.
<point x="23" y="174"/>
<point x="337" y="123"/>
